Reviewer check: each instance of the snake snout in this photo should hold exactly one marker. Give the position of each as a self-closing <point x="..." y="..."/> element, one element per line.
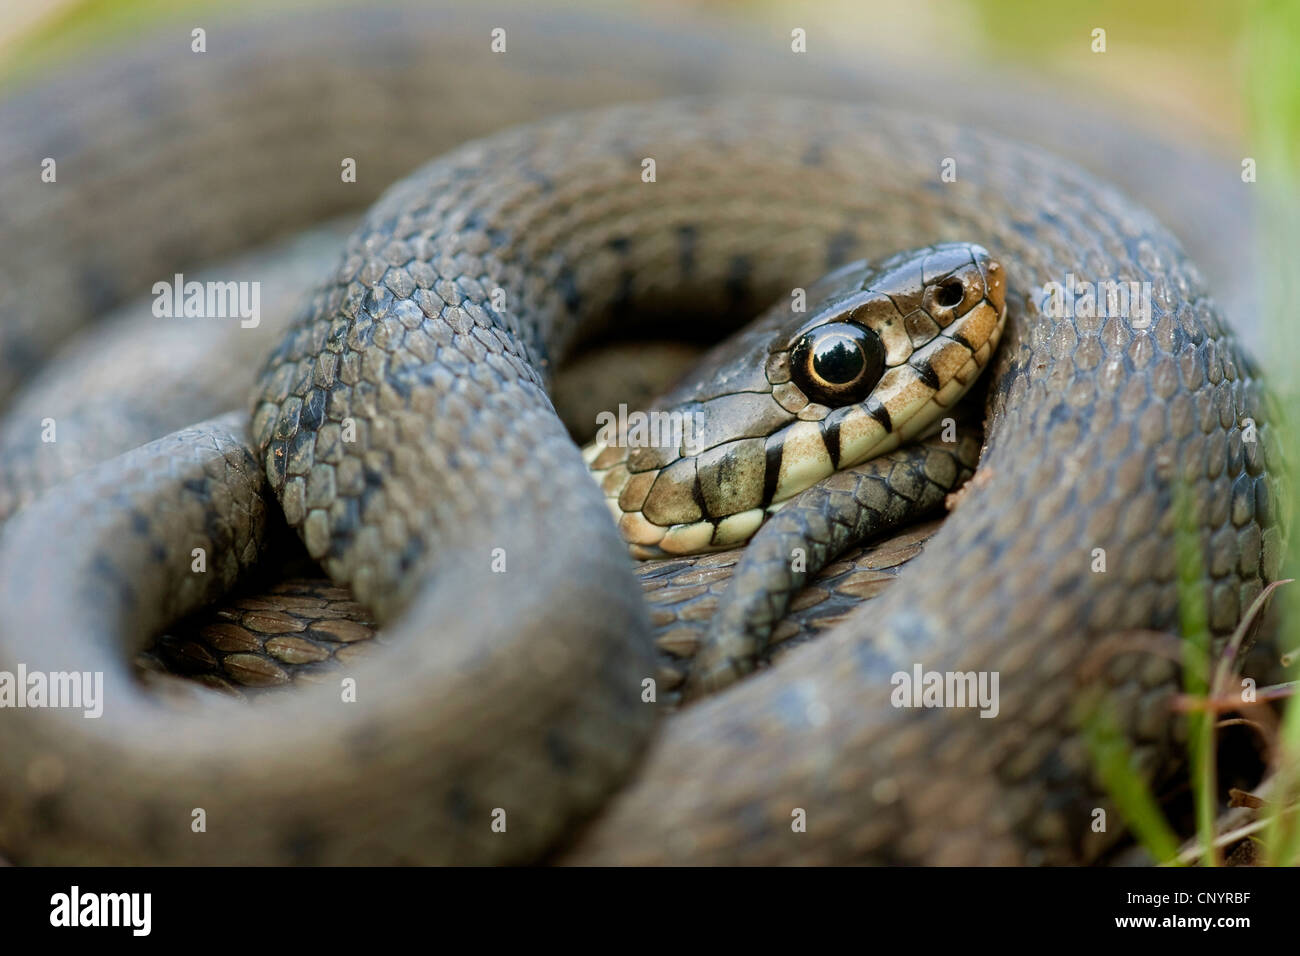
<point x="995" y="284"/>
<point x="957" y="278"/>
<point x="987" y="280"/>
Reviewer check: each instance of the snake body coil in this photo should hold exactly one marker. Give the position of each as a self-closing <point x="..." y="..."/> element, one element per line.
<point x="405" y="425"/>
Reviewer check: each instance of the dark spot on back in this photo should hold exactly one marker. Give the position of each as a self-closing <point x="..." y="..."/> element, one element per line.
<point x="459" y="805"/>
<point x="686" y="236"/>
<point x="839" y="249"/>
<point x="566" y="284"/>
<point x="304" y="845"/>
<point x="154" y="826"/>
<point x="533" y="176"/>
<point x="98" y="287"/>
<point x="399" y="383"/>
<point x="345" y="523"/>
<point x="1264" y="515"/>
<point x="298" y="442"/>
<point x="412" y="552"/>
<point x="738" y="277"/>
<point x="47" y="813"/>
<point x="622" y="301"/>
<point x="313" y="409"/>
<point x="108" y="580"/>
<point x="559" y="751"/>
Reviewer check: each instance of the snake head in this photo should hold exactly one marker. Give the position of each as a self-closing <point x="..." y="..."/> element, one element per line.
<point x="875" y="357"/>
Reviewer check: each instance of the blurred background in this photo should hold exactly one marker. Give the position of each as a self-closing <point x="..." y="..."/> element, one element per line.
<point x="1213" y="76"/>
<point x="1185" y="60"/>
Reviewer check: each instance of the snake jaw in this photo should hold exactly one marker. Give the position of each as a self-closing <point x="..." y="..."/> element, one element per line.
<point x="927" y="322"/>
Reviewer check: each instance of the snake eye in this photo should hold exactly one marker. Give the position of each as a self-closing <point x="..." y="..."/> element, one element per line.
<point x="838" y="364"/>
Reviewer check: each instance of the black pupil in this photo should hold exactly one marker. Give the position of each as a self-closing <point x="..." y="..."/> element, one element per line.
<point x="838" y="363"/>
<point x="950" y="293"/>
<point x="837" y="359"/>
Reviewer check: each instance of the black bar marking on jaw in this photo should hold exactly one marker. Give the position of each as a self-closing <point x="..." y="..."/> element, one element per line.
<point x="956" y="336"/>
<point x="831" y="438"/>
<point x="771" y="471"/>
<point x="880" y="413"/>
<point x="697" y="493"/>
<point x="927" y="373"/>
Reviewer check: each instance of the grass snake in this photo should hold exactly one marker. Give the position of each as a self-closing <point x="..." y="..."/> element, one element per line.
<point x="464" y="516"/>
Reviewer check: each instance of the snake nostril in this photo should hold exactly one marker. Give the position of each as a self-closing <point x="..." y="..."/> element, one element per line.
<point x="950" y="294"/>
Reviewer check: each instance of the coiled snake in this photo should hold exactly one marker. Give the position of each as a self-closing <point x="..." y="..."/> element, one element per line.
<point x="514" y="684"/>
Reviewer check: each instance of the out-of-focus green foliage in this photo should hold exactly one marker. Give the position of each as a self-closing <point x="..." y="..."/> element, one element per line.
<point x="1273" y="45"/>
<point x="1033" y="30"/>
<point x="78" y="27"/>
